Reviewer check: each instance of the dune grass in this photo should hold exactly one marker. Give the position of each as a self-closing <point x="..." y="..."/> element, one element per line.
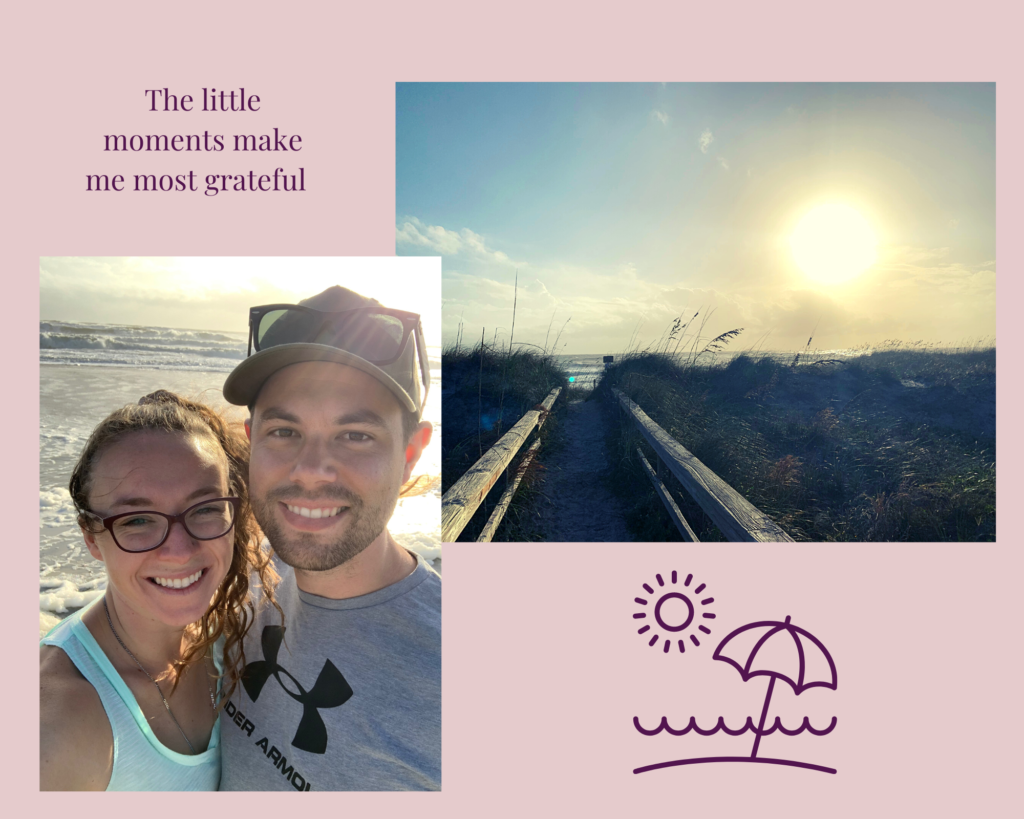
<point x="486" y="391"/>
<point x="893" y="445"/>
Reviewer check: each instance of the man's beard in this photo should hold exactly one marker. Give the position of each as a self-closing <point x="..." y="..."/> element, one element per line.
<point x="306" y="550"/>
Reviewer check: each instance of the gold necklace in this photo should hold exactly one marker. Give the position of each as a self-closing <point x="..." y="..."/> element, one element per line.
<point x="167" y="705"/>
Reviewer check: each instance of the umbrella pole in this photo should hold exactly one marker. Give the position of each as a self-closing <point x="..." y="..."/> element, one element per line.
<point x="764" y="714"/>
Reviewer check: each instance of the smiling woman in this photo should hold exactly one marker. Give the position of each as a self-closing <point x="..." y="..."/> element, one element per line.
<point x="128" y="684"/>
<point x="833" y="243"/>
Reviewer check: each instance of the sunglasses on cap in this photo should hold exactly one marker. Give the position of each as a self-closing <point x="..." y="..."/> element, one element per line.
<point x="376" y="334"/>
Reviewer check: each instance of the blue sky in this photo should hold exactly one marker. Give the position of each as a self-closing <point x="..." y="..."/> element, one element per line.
<point x="625" y="205"/>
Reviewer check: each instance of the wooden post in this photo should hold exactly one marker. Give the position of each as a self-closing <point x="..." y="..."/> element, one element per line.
<point x="465" y="496"/>
<point x="734" y="515"/>
<point x="673" y="509"/>
<point x="491" y="527"/>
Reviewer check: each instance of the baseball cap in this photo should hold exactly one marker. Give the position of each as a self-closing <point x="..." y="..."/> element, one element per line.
<point x="340" y="326"/>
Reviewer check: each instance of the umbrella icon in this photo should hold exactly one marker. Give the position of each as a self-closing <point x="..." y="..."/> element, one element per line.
<point x="805" y="662"/>
<point x="773" y="649"/>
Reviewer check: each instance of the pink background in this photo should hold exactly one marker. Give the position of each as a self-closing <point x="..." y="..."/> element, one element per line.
<point x="543" y="668"/>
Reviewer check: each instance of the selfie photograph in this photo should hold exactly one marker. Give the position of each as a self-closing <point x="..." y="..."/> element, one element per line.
<point x="240" y="540"/>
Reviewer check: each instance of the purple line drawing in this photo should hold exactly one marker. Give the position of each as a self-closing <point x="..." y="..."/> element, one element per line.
<point x="802" y="641"/>
<point x="720" y="725"/>
<point x="673" y="612"/>
<point x="795" y="651"/>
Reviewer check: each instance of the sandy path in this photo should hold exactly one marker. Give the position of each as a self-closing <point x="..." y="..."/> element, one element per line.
<point x="577" y="506"/>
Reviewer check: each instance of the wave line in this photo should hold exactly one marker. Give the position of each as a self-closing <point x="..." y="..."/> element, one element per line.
<point x="747" y="727"/>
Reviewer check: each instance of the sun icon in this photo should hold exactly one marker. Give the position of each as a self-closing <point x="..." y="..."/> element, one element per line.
<point x="674" y="612"/>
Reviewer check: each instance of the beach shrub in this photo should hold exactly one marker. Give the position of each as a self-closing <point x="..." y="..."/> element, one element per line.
<point x="897" y="443"/>
<point x="485" y="391"/>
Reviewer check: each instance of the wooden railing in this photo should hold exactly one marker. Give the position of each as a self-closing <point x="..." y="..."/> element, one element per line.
<point x="465" y="496"/>
<point x="734" y="515"/>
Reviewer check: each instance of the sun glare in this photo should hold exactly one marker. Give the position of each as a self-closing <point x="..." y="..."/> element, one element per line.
<point x="833" y="243"/>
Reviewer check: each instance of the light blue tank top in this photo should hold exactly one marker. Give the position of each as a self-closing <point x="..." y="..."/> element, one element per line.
<point x="141" y="761"/>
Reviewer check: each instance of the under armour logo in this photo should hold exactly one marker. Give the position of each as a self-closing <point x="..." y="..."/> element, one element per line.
<point x="330" y="690"/>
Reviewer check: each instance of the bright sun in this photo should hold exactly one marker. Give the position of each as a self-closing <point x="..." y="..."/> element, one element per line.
<point x="833" y="243"/>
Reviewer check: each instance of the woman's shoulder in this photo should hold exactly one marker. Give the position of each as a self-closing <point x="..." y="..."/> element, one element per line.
<point x="76" y="744"/>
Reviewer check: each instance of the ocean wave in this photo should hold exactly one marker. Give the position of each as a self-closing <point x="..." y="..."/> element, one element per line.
<point x="48" y="341"/>
<point x="58" y="599"/>
<point x="747" y="727"/>
<point x="64" y="342"/>
<point x="132" y="330"/>
<point x="56" y="508"/>
<point x="156" y="348"/>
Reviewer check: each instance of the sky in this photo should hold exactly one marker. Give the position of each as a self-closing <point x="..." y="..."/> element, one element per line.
<point x="215" y="293"/>
<point x="621" y="207"/>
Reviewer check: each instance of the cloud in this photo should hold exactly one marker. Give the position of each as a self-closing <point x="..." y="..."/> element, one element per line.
<point x="723" y="162"/>
<point x="215" y="293"/>
<point x="635" y="302"/>
<point x="930" y="272"/>
<point x="661" y="116"/>
<point x="609" y="307"/>
<point x="473" y="287"/>
<point x="705" y="140"/>
<point x="433" y="237"/>
<point x="901" y="255"/>
<point x="414" y="233"/>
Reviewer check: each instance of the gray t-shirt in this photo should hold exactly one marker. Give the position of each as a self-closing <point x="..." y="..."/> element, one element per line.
<point x="345" y="697"/>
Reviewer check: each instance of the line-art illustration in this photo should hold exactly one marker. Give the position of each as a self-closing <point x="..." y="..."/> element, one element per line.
<point x="797" y="657"/>
<point x="673" y="611"/>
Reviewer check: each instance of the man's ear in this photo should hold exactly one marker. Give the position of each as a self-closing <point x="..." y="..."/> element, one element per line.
<point x="248" y="428"/>
<point x="90" y="540"/>
<point x="417" y="441"/>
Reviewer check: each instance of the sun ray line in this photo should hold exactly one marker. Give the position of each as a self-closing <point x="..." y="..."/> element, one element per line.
<point x="640" y="615"/>
<point x="706" y="602"/>
<point x="700" y="588"/>
<point x="654" y="639"/>
<point x="660" y="581"/>
<point x="640" y="600"/>
<point x="694" y="640"/>
<point x="648" y="589"/>
<point x="645" y="628"/>
<point x="689" y="577"/>
<point x="705" y="629"/>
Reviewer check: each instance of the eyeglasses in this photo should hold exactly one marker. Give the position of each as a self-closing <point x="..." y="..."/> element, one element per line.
<point x="378" y="335"/>
<point x="147" y="530"/>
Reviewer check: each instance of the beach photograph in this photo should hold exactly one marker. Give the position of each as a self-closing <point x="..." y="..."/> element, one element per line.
<point x="113" y="330"/>
<point x="709" y="311"/>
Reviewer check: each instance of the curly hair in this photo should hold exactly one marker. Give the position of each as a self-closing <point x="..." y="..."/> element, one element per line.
<point x="232" y="611"/>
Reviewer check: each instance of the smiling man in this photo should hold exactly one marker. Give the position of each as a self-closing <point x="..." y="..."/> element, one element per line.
<point x="345" y="693"/>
